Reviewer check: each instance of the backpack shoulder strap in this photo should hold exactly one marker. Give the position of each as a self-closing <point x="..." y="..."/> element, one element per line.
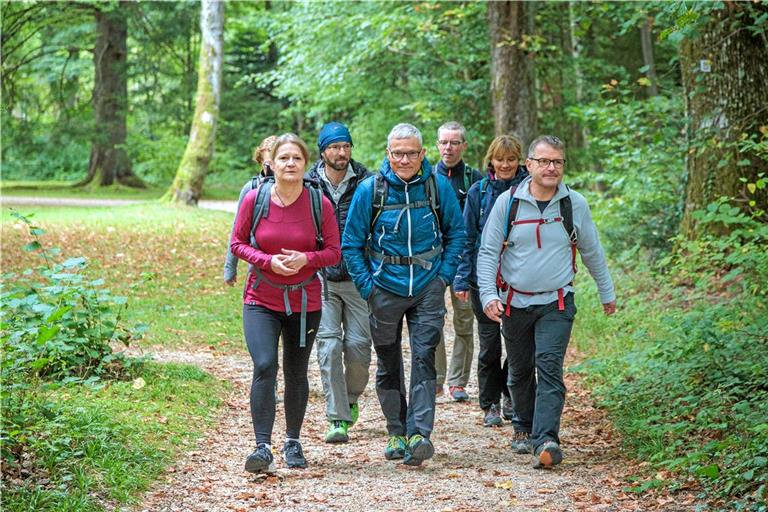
<point x="379" y="191"/>
<point x="316" y="200"/>
<point x="484" y="184"/>
<point x="260" y="207"/>
<point x="566" y="210"/>
<point x="433" y="196"/>
<point x="512" y="208"/>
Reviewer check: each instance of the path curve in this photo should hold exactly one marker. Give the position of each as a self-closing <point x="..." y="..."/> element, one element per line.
<point x="227" y="206"/>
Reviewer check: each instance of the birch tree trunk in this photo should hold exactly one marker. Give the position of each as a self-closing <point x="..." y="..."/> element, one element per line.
<point x="109" y="162"/>
<point x="512" y="85"/>
<point x="187" y="186"/>
<point x="725" y="77"/>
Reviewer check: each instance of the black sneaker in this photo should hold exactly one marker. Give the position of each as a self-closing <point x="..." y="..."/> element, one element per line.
<point x="293" y="455"/>
<point x="521" y="443"/>
<point x="492" y="416"/>
<point x="547" y="456"/>
<point x="261" y="460"/>
<point x="418" y="449"/>
<point x="507" y="408"/>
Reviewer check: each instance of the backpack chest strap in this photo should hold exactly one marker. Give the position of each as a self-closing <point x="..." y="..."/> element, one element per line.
<point x="421" y="259"/>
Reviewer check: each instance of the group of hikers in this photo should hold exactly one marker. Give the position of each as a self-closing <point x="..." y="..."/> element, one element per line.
<point x="387" y="245"/>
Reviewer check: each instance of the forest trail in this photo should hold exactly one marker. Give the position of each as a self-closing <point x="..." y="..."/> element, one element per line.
<point x="227" y="206"/>
<point x="473" y="468"/>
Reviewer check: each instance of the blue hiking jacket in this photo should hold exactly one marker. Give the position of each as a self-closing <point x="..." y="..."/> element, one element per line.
<point x="402" y="232"/>
<point x="480" y="200"/>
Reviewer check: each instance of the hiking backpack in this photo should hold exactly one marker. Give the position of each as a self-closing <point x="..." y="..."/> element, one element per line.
<point x="379" y="204"/>
<point x="566" y="217"/>
<point x="261" y="210"/>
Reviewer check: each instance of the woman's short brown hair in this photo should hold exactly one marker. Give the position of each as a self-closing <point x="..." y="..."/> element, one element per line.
<point x="266" y="145"/>
<point x="291" y="138"/>
<point x="503" y="145"/>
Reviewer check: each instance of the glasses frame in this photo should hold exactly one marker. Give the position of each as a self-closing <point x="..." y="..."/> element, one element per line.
<point x="404" y="154"/>
<point x="558" y="163"/>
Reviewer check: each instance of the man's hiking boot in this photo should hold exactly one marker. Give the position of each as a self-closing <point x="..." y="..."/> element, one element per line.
<point x="293" y="455"/>
<point x="418" y="450"/>
<point x="547" y="456"/>
<point x="261" y="460"/>
<point x="354" y="411"/>
<point x="337" y="433"/>
<point x="507" y="408"/>
<point x="521" y="443"/>
<point x="492" y="416"/>
<point x="438" y="390"/>
<point x="458" y="393"/>
<point x="395" y="448"/>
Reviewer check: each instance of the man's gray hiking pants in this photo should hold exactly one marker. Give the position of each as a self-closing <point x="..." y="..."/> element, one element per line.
<point x="343" y="348"/>
<point x="425" y="314"/>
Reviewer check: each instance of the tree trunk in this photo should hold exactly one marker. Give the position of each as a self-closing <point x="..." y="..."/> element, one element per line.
<point x="725" y="76"/>
<point x="646" y="41"/>
<point x="109" y="162"/>
<point x="512" y="84"/>
<point x="187" y="187"/>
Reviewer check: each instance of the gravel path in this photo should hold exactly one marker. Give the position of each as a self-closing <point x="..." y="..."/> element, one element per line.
<point x="227" y="206"/>
<point x="473" y="469"/>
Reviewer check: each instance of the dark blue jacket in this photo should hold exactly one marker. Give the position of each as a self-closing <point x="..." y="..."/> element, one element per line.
<point x="402" y="232"/>
<point x="480" y="200"/>
<point x="339" y="271"/>
<point x="462" y="176"/>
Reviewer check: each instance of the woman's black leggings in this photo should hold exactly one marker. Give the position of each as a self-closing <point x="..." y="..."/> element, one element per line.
<point x="263" y="328"/>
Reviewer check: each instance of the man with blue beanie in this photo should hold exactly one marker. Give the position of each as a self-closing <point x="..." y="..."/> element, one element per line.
<point x="343" y="339"/>
<point x="402" y="251"/>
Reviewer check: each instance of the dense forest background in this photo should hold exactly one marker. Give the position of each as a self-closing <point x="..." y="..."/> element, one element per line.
<point x="663" y="107"/>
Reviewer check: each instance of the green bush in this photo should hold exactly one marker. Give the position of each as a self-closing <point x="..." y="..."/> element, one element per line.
<point x="58" y="325"/>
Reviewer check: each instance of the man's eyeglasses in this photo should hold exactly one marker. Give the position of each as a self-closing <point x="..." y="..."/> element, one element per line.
<point x="544" y="162"/>
<point x="452" y="143"/>
<point x="399" y="155"/>
<point x="340" y="147"/>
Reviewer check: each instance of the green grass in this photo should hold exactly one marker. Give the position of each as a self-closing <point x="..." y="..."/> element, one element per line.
<point x="100" y="446"/>
<point x="92" y="449"/>
<point x="168" y="260"/>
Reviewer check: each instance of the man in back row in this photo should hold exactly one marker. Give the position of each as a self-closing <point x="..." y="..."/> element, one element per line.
<point x="343" y="337"/>
<point x="536" y="231"/>
<point x="452" y="143"/>
<point x="402" y="251"/>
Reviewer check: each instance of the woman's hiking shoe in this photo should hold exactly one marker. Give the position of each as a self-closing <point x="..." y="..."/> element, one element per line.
<point x="293" y="454"/>
<point x="337" y="433"/>
<point x="547" y="456"/>
<point x="492" y="416"/>
<point x="354" y="411"/>
<point x="521" y="443"/>
<point x="458" y="393"/>
<point x="507" y="408"/>
<point x="261" y="460"/>
<point x="395" y="448"/>
<point x="418" y="450"/>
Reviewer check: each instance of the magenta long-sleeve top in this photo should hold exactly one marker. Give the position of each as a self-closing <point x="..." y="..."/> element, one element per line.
<point x="289" y="227"/>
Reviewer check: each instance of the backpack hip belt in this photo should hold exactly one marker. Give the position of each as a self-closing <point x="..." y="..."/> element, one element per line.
<point x="503" y="286"/>
<point x="421" y="259"/>
<point x="260" y="277"/>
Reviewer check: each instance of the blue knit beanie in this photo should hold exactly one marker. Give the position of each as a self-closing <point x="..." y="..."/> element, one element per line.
<point x="333" y="132"/>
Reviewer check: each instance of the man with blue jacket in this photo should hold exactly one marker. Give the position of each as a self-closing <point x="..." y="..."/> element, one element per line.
<point x="402" y="250"/>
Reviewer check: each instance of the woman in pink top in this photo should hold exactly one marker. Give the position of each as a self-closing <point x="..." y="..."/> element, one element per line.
<point x="282" y="282"/>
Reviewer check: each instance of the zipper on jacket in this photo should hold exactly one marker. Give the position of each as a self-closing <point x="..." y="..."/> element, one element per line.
<point x="410" y="232"/>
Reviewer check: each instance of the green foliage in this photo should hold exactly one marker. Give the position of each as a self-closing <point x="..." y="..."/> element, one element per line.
<point x="684" y="375"/>
<point x="638" y="149"/>
<point x="57" y="324"/>
<point x="374" y="64"/>
<point x="90" y="447"/>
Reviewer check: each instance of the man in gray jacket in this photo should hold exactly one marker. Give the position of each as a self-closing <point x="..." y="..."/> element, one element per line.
<point x="533" y="232"/>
